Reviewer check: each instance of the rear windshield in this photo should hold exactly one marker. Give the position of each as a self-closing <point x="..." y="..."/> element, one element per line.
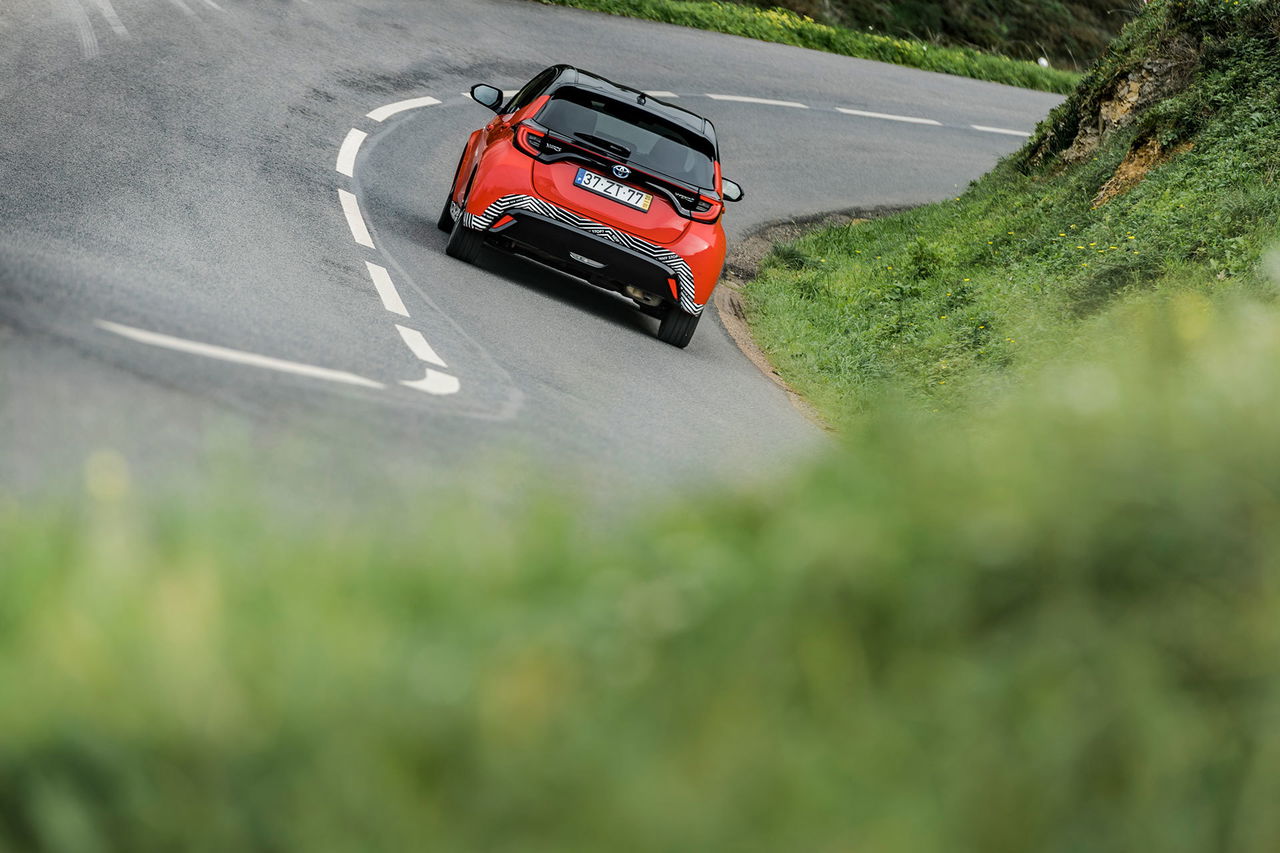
<point x="652" y="144"/>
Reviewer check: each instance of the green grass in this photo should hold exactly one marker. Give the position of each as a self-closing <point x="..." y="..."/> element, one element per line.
<point x="785" y="27"/>
<point x="951" y="298"/>
<point x="1053" y="628"/>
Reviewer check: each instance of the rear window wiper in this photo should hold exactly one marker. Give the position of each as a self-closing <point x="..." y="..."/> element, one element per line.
<point x="601" y="142"/>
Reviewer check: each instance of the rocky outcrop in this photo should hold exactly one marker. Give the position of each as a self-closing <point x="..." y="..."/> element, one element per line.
<point x="1152" y="81"/>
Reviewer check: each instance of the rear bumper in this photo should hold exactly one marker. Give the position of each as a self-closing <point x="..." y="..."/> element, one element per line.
<point x="555" y="235"/>
<point x="585" y="255"/>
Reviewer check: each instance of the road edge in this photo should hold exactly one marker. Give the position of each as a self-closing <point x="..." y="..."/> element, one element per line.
<point x="743" y="264"/>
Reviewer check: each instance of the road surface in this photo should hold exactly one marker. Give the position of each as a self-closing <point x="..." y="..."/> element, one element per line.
<point x="217" y="239"/>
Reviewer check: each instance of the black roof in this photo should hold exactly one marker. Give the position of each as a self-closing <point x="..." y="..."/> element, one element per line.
<point x="570" y="76"/>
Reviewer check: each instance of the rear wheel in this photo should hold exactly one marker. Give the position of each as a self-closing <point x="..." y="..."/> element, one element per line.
<point x="445" y="222"/>
<point x="464" y="244"/>
<point x="677" y="327"/>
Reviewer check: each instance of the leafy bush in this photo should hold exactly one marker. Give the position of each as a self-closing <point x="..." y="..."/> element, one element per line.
<point x="1072" y="33"/>
<point x="1052" y="627"/>
<point x="785" y="27"/>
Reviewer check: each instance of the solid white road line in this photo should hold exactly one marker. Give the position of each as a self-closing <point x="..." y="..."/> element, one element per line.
<point x="113" y="20"/>
<point x="435" y="382"/>
<point x="383" y="113"/>
<point x="156" y="339"/>
<point x="888" y="117"/>
<point x="350" y="148"/>
<point x="1005" y="131"/>
<point x="351" y="208"/>
<point x="766" y="101"/>
<point x="386" y="290"/>
<point x="418" y="345"/>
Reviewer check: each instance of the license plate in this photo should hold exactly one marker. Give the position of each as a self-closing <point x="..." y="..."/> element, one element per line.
<point x="622" y="193"/>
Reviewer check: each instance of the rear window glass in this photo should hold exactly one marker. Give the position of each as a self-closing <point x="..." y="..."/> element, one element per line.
<point x="654" y="145"/>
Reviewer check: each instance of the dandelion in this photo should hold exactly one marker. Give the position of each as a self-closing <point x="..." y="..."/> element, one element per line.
<point x="965" y="280"/>
<point x="1063" y="234"/>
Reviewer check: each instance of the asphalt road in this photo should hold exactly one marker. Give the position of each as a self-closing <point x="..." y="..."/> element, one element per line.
<point x="178" y="280"/>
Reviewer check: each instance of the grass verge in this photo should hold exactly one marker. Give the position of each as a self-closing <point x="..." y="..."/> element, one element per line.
<point x="1024" y="268"/>
<point x="786" y="27"/>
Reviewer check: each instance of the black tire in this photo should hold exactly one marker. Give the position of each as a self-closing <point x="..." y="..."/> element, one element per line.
<point x="677" y="327"/>
<point x="445" y="222"/>
<point x="464" y="244"/>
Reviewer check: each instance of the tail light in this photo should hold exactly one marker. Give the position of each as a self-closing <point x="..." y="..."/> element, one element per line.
<point x="529" y="140"/>
<point x="706" y="210"/>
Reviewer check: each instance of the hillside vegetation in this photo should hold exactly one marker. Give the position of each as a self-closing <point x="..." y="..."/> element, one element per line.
<point x="786" y="27"/>
<point x="1072" y="33"/>
<point x="1045" y="617"/>
<point x="1158" y="176"/>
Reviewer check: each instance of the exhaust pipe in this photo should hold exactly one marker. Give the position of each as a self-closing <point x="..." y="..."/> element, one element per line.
<point x="644" y="297"/>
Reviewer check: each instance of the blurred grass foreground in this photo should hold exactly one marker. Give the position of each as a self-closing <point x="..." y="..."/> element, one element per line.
<point x="1044" y="618"/>
<point x="1049" y="626"/>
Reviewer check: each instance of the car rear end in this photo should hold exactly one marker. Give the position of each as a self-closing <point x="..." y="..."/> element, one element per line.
<point x="621" y="196"/>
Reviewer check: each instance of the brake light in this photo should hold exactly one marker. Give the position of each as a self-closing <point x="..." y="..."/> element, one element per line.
<point x="528" y="140"/>
<point x="707" y="210"/>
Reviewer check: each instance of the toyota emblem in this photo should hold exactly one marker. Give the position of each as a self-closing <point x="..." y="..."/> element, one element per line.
<point x="621" y="172"/>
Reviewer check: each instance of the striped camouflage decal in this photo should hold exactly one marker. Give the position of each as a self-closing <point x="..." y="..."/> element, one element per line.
<point x="679" y="268"/>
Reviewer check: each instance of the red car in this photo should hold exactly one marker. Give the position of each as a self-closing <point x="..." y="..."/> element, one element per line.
<point x="600" y="181"/>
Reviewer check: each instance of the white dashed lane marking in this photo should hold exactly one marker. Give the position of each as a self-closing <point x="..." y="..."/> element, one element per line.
<point x="181" y="4"/>
<point x="1002" y="130"/>
<point x="888" y="116"/>
<point x="435" y="382"/>
<point x="350" y="148"/>
<point x="768" y="102"/>
<point x="386" y="289"/>
<point x="384" y="113"/>
<point x="351" y="209"/>
<point x="662" y="94"/>
<point x="265" y="362"/>
<point x="418" y="345"/>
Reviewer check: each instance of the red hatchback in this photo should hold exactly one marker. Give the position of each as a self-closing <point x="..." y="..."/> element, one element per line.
<point x="600" y="181"/>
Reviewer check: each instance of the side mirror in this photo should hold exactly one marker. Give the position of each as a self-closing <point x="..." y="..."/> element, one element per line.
<point x="489" y="96"/>
<point x="731" y="190"/>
